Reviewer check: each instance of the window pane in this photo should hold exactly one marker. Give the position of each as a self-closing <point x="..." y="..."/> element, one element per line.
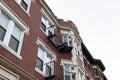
<point x="39" y="64"/>
<point x="14" y="43"/>
<point x="48" y="70"/>
<point x="41" y="53"/>
<point x="95" y="72"/>
<point x="65" y="40"/>
<point x="1" y="78"/>
<point x="16" y="32"/>
<point x="67" y="70"/>
<point x="24" y="5"/>
<point x="4" y="19"/>
<point x="2" y="33"/>
<point x="43" y="26"/>
<point x="67" y="77"/>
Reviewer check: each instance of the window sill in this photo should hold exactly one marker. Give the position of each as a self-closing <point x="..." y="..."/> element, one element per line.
<point x="27" y="12"/>
<point x="36" y="69"/>
<point x="96" y="76"/>
<point x="10" y="50"/>
<point x="43" y="31"/>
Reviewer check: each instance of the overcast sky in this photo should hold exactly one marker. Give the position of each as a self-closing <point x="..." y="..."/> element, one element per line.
<point x="98" y="22"/>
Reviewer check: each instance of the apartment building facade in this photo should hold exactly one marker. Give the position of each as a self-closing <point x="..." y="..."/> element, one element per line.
<point x="36" y="45"/>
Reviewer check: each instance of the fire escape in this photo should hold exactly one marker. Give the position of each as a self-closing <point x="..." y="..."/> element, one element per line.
<point x="53" y="71"/>
<point x="59" y="44"/>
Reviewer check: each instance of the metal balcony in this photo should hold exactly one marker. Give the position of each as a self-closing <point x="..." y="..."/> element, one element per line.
<point x="54" y="72"/>
<point x="63" y="47"/>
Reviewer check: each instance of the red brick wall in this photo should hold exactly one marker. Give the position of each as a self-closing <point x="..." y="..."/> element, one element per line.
<point x="29" y="46"/>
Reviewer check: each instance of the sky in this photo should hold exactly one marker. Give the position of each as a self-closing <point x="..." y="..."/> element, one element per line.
<point x="98" y="22"/>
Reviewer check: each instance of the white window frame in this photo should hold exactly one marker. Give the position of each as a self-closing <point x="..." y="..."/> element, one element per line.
<point x="29" y="4"/>
<point x="42" y="45"/>
<point x="80" y="74"/>
<point x="45" y="60"/>
<point x="4" y="78"/>
<point x="14" y="20"/>
<point x="45" y="18"/>
<point x="70" y="71"/>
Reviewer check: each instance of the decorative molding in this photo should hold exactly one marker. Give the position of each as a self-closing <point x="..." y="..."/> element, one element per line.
<point x="14" y="17"/>
<point x="47" y="48"/>
<point x="9" y="64"/>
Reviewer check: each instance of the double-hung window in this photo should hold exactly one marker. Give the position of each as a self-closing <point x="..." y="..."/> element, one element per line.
<point x="11" y="34"/>
<point x="67" y="40"/>
<point x="25" y="4"/>
<point x="4" y="20"/>
<point x="15" y="37"/>
<point x="46" y="25"/>
<point x="80" y="75"/>
<point x="95" y="72"/>
<point x="67" y="72"/>
<point x="44" y="63"/>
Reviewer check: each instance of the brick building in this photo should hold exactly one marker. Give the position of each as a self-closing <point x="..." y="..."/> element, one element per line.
<point x="36" y="45"/>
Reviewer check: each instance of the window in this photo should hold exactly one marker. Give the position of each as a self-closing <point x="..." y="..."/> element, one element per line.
<point x="39" y="64"/>
<point x="4" y="19"/>
<point x="11" y="35"/>
<point x="89" y="67"/>
<point x="95" y="72"/>
<point x="25" y="4"/>
<point x="80" y="75"/>
<point x="87" y="78"/>
<point x="48" y="70"/>
<point x="1" y="78"/>
<point x="67" y="40"/>
<point x="15" y="37"/>
<point x="44" y="62"/>
<point x="2" y="33"/>
<point x="67" y="72"/>
<point x="46" y="25"/>
<point x="85" y="62"/>
<point x="43" y="26"/>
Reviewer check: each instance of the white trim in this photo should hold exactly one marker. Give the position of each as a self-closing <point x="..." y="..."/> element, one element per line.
<point x="14" y="17"/>
<point x="48" y="19"/>
<point x="39" y="71"/>
<point x="28" y="9"/>
<point x="45" y="13"/>
<point x="94" y="66"/>
<point x="10" y="50"/>
<point x="65" y="61"/>
<point x="8" y="74"/>
<point x="47" y="49"/>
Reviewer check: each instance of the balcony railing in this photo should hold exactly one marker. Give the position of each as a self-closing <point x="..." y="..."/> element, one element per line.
<point x="58" y="43"/>
<point x="53" y="71"/>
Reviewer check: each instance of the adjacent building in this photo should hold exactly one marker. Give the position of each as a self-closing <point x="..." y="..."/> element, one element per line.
<point x="36" y="45"/>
